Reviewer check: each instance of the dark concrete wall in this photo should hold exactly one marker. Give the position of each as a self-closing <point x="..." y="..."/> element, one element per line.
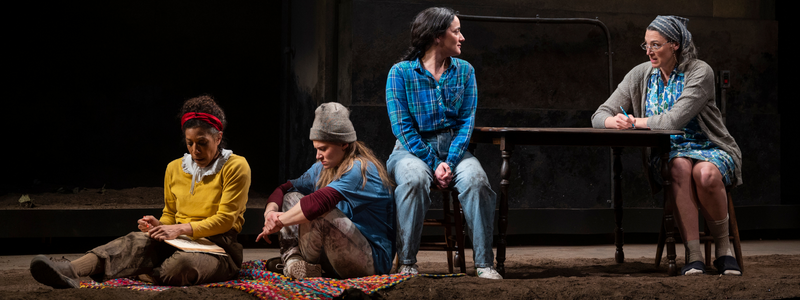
<point x="541" y="75"/>
<point x="95" y="88"/>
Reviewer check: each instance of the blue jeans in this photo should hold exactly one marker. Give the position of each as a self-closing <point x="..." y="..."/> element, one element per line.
<point x="412" y="195"/>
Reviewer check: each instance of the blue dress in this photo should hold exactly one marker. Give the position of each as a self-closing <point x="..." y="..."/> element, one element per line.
<point x="693" y="144"/>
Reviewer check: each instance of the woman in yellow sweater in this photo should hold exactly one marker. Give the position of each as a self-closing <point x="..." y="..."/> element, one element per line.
<point x="205" y="194"/>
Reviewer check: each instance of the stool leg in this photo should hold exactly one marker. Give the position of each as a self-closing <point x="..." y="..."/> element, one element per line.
<point x="733" y="227"/>
<point x="707" y="243"/>
<point x="396" y="264"/>
<point x="448" y="237"/>
<point x="459" y="222"/>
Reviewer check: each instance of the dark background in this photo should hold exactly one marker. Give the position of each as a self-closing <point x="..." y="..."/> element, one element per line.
<point x="94" y="88"/>
<point x="544" y="75"/>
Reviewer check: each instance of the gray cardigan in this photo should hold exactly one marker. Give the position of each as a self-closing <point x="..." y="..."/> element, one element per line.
<point x="697" y="99"/>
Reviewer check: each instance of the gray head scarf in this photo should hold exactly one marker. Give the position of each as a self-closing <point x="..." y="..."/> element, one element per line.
<point x="673" y="28"/>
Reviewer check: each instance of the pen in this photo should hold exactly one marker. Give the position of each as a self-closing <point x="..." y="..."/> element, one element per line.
<point x="146" y="223"/>
<point x="626" y="115"/>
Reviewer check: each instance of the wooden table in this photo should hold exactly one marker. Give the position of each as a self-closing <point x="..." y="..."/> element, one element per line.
<point x="508" y="137"/>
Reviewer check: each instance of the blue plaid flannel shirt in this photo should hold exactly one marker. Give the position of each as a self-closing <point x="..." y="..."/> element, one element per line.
<point x="418" y="104"/>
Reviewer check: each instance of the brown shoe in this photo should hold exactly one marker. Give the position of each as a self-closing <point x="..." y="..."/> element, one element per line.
<point x="57" y="273"/>
<point x="298" y="268"/>
<point x="275" y="265"/>
<point x="295" y="267"/>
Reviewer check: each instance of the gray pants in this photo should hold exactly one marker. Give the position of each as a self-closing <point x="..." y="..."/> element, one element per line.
<point x="136" y="253"/>
<point x="331" y="240"/>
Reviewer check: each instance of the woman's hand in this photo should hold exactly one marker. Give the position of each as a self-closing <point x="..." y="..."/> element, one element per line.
<point x="271" y="225"/>
<point x="443" y="175"/>
<point x="169" y="232"/>
<point x="620" y="121"/>
<point x="147" y="223"/>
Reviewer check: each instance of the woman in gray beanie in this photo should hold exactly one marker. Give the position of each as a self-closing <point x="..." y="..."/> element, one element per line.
<point x="675" y="90"/>
<point x="338" y="217"/>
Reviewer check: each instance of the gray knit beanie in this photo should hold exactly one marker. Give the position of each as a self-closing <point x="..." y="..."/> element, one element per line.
<point x="332" y="124"/>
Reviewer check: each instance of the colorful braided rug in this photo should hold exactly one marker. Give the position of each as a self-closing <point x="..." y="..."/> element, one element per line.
<point x="255" y="279"/>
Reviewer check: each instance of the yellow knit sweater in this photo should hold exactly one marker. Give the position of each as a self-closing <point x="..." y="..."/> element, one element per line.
<point x="219" y="200"/>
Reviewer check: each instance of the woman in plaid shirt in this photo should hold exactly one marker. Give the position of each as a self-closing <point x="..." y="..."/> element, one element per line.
<point x="431" y="98"/>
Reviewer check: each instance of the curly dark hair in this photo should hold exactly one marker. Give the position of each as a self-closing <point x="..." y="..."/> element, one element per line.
<point x="426" y="27"/>
<point x="204" y="104"/>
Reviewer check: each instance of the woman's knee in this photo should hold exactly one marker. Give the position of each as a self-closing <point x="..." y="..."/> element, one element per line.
<point x="706" y="176"/>
<point x="290" y="200"/>
<point x="680" y="170"/>
<point x="178" y="270"/>
<point x="470" y="175"/>
<point x="413" y="175"/>
<point x="185" y="268"/>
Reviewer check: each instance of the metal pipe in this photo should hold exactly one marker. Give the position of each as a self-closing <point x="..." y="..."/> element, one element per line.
<point x="595" y="22"/>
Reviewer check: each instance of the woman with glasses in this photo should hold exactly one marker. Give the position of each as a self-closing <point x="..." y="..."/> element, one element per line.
<point x="675" y="90"/>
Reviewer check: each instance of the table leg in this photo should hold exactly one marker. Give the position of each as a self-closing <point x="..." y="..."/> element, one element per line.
<point x="502" y="222"/>
<point x="616" y="196"/>
<point x="669" y="221"/>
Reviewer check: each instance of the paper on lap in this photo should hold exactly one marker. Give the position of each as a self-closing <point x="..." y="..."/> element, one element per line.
<point x="203" y="245"/>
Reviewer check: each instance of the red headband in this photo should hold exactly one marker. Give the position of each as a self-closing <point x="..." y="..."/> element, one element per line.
<point x="208" y="118"/>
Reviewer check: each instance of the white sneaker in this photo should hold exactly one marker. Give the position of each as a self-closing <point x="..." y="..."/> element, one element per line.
<point x="408" y="269"/>
<point x="297" y="268"/>
<point x="488" y="272"/>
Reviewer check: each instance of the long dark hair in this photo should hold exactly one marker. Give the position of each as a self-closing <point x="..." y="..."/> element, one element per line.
<point x="426" y="27"/>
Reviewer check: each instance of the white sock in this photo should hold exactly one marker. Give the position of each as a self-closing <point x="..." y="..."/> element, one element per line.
<point x="722" y="243"/>
<point x="693" y="251"/>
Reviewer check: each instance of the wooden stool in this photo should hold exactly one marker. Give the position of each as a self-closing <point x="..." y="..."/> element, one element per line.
<point x="452" y="220"/>
<point x="706" y="238"/>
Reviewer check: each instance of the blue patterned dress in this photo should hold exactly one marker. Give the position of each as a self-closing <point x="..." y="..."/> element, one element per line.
<point x="693" y="144"/>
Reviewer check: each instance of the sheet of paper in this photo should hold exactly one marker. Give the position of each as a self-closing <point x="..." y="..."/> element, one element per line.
<point x="186" y="243"/>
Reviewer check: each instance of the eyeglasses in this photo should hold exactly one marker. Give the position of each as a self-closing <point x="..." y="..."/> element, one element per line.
<point x="654" y="47"/>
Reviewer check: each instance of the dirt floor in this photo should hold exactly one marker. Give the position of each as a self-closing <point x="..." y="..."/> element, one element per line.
<point x="766" y="276"/>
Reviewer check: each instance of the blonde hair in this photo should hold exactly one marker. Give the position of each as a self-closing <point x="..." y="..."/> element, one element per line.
<point x="355" y="151"/>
